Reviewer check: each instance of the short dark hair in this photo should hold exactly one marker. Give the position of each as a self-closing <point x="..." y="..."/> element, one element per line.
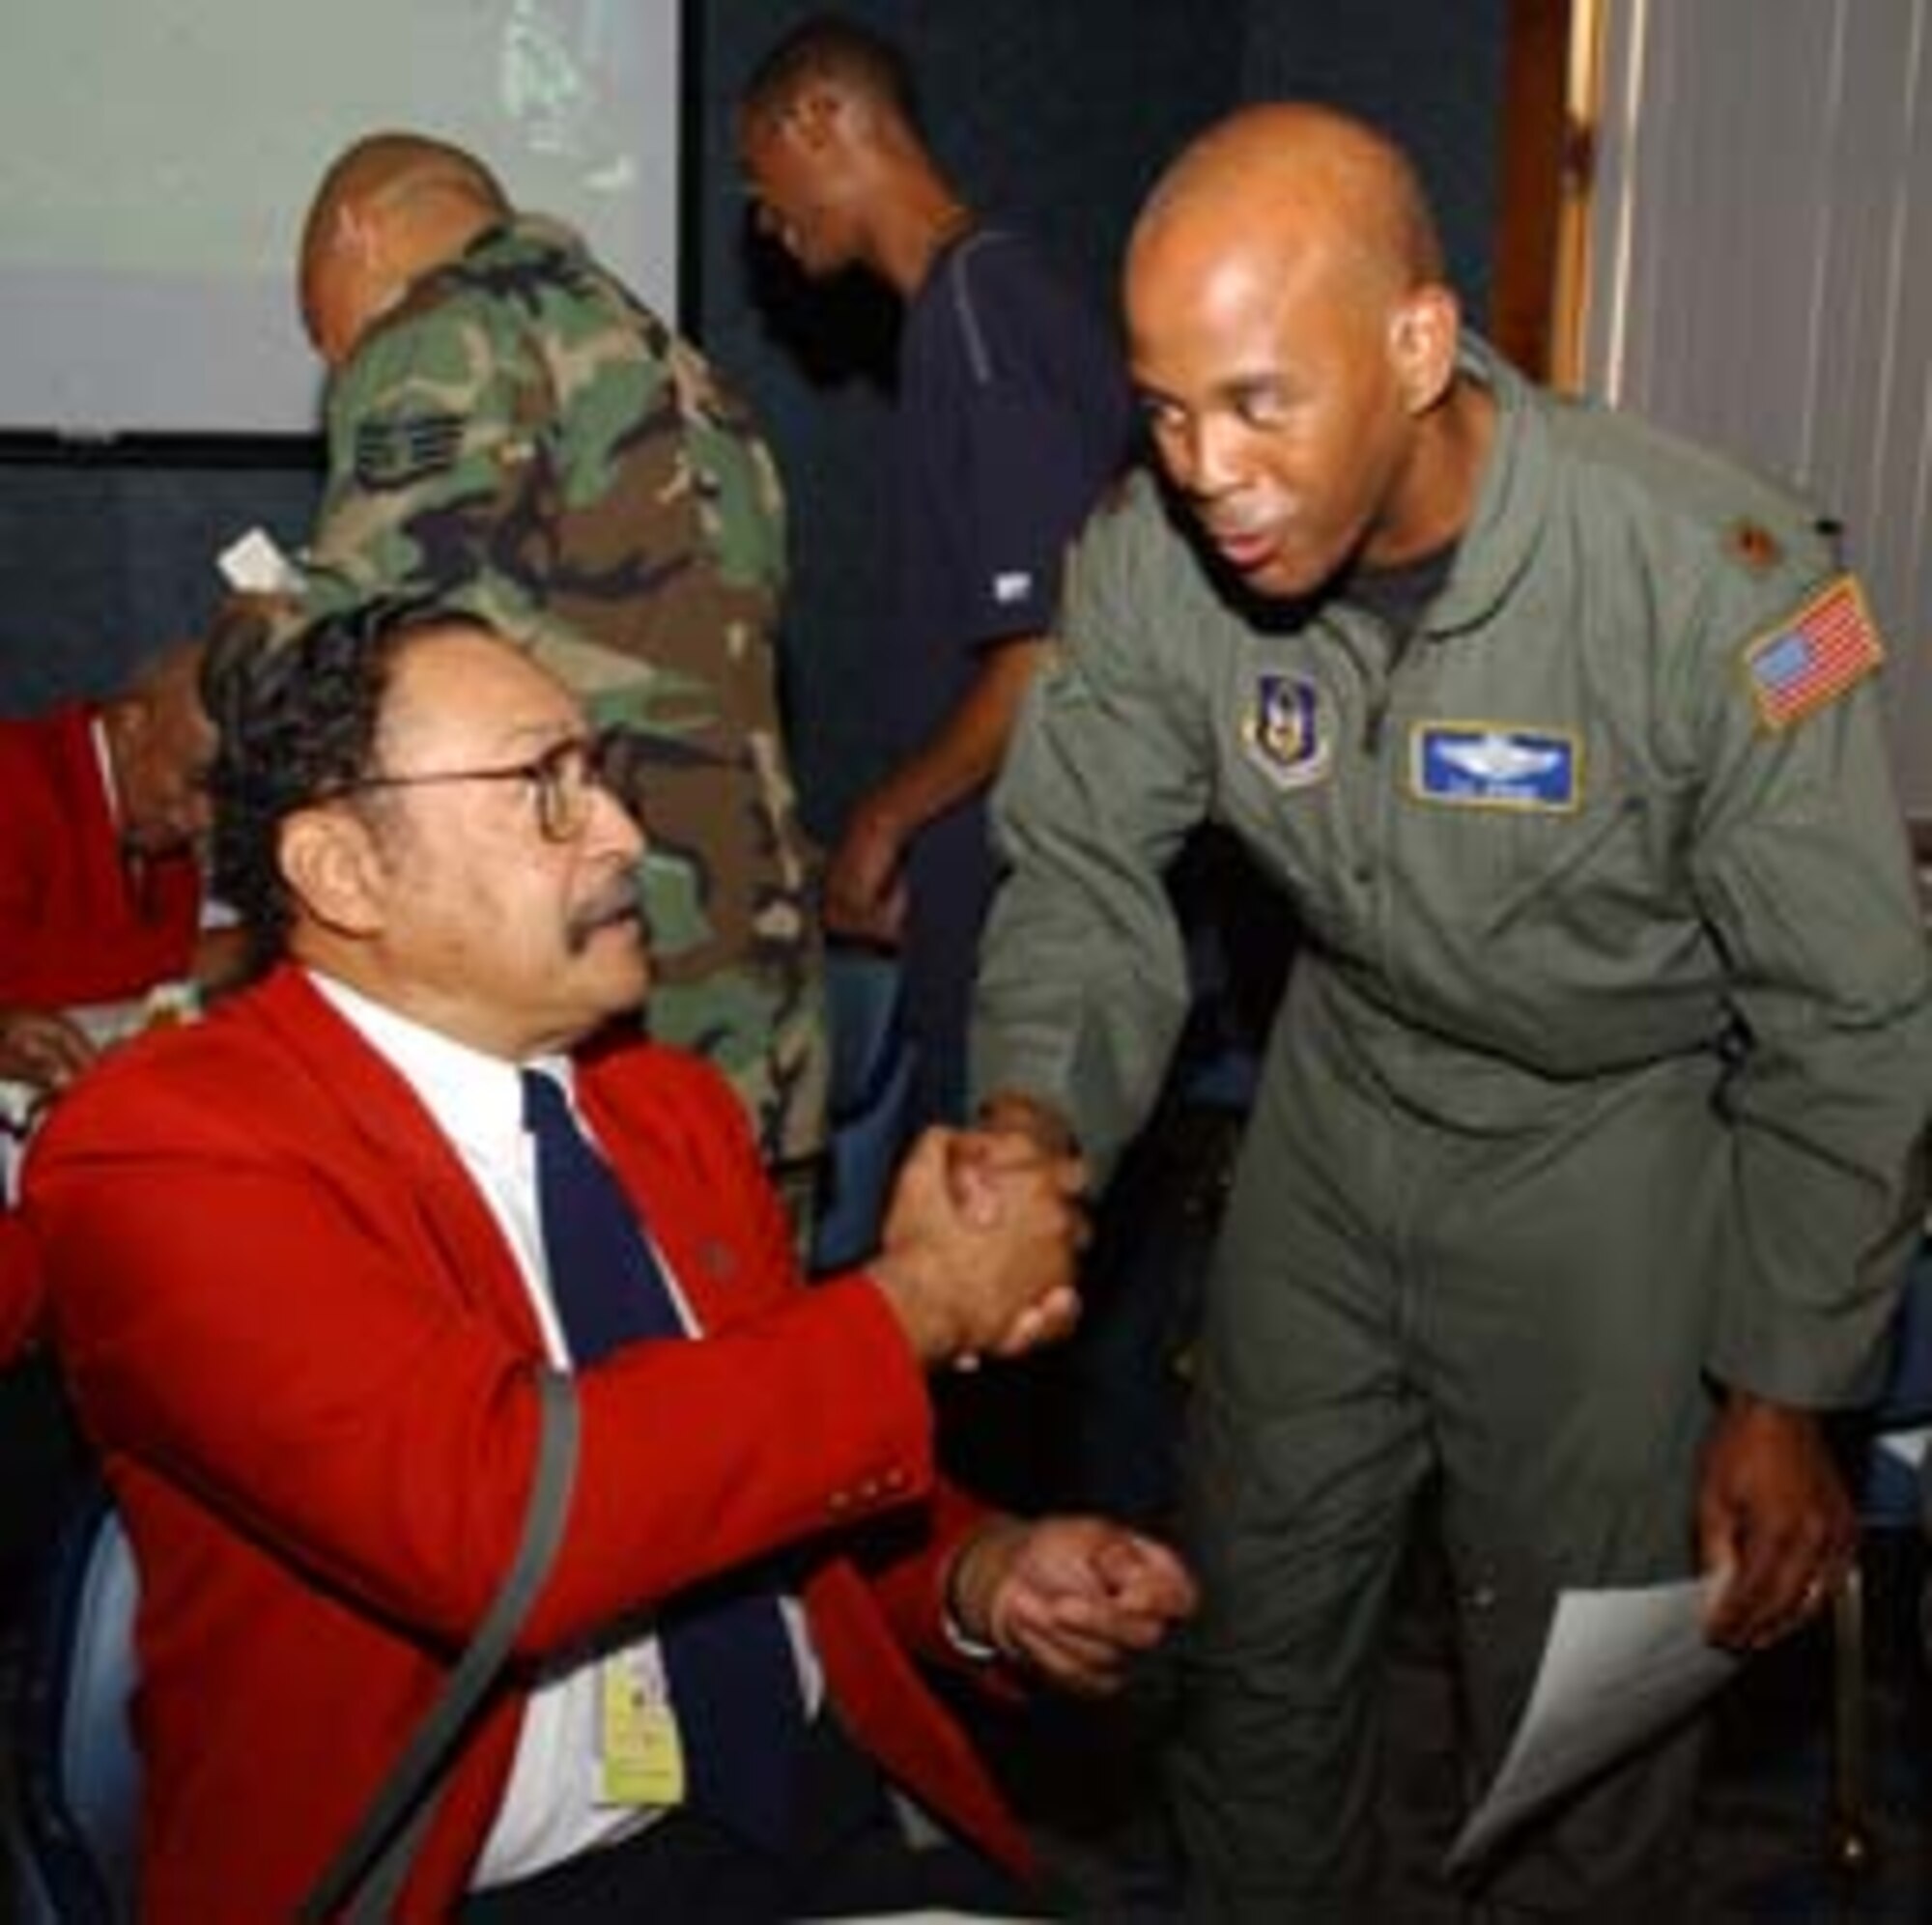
<point x="296" y="716"/>
<point x="828" y="48"/>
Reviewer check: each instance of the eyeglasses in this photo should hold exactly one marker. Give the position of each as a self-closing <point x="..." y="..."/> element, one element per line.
<point x="562" y="781"/>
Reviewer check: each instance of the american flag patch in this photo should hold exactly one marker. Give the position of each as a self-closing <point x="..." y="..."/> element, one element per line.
<point x="1815" y="657"/>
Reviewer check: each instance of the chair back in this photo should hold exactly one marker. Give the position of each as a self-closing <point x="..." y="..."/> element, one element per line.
<point x="1889" y="1475"/>
<point x="74" y="1820"/>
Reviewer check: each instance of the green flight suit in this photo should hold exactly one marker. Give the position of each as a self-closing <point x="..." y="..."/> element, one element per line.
<point x="522" y="423"/>
<point x="1601" y="1080"/>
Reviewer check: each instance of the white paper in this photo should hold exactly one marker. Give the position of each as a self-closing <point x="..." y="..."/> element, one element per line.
<point x="1908" y="1446"/>
<point x="253" y="565"/>
<point x="102" y="1024"/>
<point x="1619" y="1668"/>
<point x="18" y="1102"/>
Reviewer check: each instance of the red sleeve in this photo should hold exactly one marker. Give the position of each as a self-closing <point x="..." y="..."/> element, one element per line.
<point x="905" y="1559"/>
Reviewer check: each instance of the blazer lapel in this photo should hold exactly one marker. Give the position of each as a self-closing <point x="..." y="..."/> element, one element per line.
<point x="690" y="1223"/>
<point x="406" y="1147"/>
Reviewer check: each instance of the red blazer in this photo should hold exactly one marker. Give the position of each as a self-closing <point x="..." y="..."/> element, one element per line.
<point x="294" y="1330"/>
<point x="75" y="924"/>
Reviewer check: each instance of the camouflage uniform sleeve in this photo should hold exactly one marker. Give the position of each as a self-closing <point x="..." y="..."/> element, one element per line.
<point x="437" y="464"/>
<point x="1083" y="978"/>
<point x="1802" y="870"/>
<point x="670" y="556"/>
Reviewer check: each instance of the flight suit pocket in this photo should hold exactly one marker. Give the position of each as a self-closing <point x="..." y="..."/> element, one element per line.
<point x="1596" y="874"/>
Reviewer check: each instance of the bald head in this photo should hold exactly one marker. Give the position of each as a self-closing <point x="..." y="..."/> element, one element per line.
<point x="159" y="744"/>
<point x="1282" y="181"/>
<point x="389" y="209"/>
<point x="1296" y="348"/>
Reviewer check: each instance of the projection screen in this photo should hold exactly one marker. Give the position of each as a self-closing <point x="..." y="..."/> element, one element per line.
<point x="159" y="155"/>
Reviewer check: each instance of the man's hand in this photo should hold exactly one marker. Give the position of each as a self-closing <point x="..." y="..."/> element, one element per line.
<point x="981" y="1238"/>
<point x="1014" y="1112"/>
<point x="1073" y="1599"/>
<point x="865" y="879"/>
<point x="41" y="1047"/>
<point x="1774" y="1523"/>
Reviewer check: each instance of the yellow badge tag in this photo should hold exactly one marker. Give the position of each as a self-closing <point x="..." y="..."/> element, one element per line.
<point x="639" y="1756"/>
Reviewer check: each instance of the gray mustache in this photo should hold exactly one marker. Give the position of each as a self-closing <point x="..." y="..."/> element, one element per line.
<point x="619" y="901"/>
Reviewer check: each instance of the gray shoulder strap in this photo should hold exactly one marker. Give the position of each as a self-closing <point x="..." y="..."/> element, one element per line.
<point x="374" y="1863"/>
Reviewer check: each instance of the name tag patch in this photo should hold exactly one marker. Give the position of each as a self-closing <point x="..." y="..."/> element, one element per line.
<point x="1282" y="730"/>
<point x="1479" y="765"/>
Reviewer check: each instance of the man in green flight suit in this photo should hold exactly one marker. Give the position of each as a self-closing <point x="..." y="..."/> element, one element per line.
<point x="503" y="411"/>
<point x="1586" y="1156"/>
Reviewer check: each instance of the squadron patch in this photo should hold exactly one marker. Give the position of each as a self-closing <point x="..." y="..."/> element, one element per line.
<point x="1283" y="730"/>
<point x="1485" y="765"/>
<point x="1826" y="648"/>
<point x="392" y="452"/>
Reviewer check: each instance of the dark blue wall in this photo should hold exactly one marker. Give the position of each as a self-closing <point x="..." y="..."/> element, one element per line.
<point x="103" y="558"/>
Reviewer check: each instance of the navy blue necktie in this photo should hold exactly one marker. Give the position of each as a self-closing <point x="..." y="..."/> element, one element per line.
<point x="727" y="1661"/>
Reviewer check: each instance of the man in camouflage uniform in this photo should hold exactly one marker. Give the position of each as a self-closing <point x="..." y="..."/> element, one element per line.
<point x="504" y="414"/>
<point x="1586" y="1154"/>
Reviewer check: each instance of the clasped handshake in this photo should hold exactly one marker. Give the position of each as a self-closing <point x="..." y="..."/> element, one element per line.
<point x="981" y="1238"/>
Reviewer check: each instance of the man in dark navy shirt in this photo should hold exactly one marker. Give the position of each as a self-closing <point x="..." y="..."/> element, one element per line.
<point x="1014" y="412"/>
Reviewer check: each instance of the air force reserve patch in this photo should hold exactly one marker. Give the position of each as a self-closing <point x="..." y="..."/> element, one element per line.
<point x="1485" y="765"/>
<point x="1826" y="647"/>
<point x="1283" y="730"/>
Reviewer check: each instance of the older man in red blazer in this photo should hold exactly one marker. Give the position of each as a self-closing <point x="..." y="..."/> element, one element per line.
<point x="101" y="891"/>
<point x="101" y="900"/>
<point x="299" y="1277"/>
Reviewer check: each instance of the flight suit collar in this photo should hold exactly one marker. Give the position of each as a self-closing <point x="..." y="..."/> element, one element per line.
<point x="1501" y="537"/>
